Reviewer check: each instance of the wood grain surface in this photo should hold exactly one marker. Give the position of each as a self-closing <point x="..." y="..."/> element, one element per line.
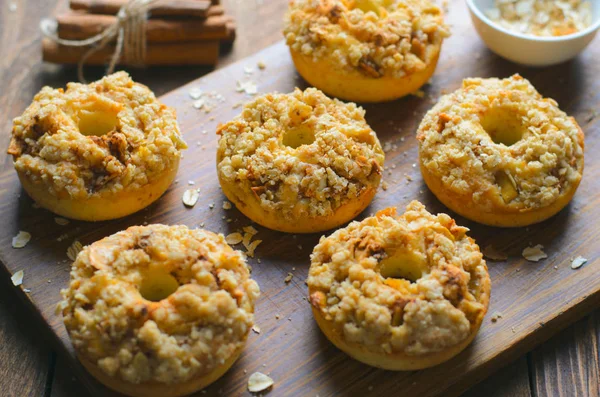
<point x="299" y="358"/>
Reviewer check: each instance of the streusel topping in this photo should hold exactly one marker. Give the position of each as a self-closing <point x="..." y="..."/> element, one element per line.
<point x="301" y="153"/>
<point x="201" y="324"/>
<point x="461" y="144"/>
<point x="375" y="37"/>
<point x="436" y="299"/>
<point x="87" y="140"/>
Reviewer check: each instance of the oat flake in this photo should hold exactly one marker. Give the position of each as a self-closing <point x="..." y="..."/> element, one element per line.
<point x="17" y="278"/>
<point x="190" y="197"/>
<point x="534" y="254"/>
<point x="578" y="262"/>
<point x="61" y="221"/>
<point x="21" y="239"/>
<point x="74" y="250"/>
<point x="234" y="238"/>
<point x="493" y="254"/>
<point x="258" y="382"/>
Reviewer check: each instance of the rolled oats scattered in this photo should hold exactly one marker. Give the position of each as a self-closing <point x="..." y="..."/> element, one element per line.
<point x="250" y="229"/>
<point x="226" y="205"/>
<point x="74" y="250"/>
<point x="258" y="382"/>
<point x="288" y="278"/>
<point x="578" y="262"/>
<point x="496" y="316"/>
<point x="190" y="197"/>
<point x="491" y="253"/>
<point x="17" y="278"/>
<point x="234" y="238"/>
<point x="534" y="254"/>
<point x="252" y="247"/>
<point x="196" y="93"/>
<point x="249" y="87"/>
<point x="21" y="239"/>
<point x="61" y="221"/>
<point x="256" y="329"/>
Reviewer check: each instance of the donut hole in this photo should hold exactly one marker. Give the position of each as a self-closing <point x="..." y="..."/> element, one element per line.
<point x="157" y="285"/>
<point x="298" y="136"/>
<point x="402" y="266"/>
<point x="503" y="125"/>
<point x="96" y="122"/>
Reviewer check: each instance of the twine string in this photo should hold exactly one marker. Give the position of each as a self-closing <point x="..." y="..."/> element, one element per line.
<point x="129" y="30"/>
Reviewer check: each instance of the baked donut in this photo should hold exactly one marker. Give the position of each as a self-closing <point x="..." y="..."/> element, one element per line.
<point x="498" y="153"/>
<point x="159" y="310"/>
<point x="300" y="162"/>
<point x="399" y="292"/>
<point x="98" y="151"/>
<point x="365" y="50"/>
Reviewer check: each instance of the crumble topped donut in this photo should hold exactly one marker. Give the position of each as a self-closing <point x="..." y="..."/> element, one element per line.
<point x="97" y="151"/>
<point x="159" y="310"/>
<point x="497" y="152"/>
<point x="299" y="162"/>
<point x="365" y="50"/>
<point x="399" y="292"/>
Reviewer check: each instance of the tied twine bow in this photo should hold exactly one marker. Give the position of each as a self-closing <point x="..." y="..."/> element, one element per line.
<point x="129" y="30"/>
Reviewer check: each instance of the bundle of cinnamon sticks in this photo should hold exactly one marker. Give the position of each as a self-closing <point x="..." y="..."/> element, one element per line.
<point x="178" y="32"/>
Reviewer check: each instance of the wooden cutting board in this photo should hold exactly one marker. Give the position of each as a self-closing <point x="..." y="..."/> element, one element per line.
<point x="536" y="300"/>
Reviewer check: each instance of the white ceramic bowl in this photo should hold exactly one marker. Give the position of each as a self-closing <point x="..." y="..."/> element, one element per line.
<point x="528" y="49"/>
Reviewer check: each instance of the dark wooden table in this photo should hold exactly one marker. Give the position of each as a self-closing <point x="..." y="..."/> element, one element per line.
<point x="566" y="365"/>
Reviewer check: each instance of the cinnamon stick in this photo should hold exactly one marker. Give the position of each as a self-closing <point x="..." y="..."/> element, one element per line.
<point x="188" y="8"/>
<point x="187" y="53"/>
<point x="76" y="26"/>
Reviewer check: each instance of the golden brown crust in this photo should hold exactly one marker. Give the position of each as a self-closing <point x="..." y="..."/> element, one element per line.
<point x="95" y="140"/>
<point x="501" y="147"/>
<point x="181" y="337"/>
<point x="340" y="160"/>
<point x="375" y="37"/>
<point x="436" y="302"/>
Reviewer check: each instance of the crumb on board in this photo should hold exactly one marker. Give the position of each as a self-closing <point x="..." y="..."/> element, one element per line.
<point x="190" y="197"/>
<point x="496" y="316"/>
<point x="492" y="253"/>
<point x="578" y="262"/>
<point x="535" y="253"/>
<point x="21" y="239"/>
<point x="288" y="278"/>
<point x="74" y="249"/>
<point x="234" y="238"/>
<point x="258" y="382"/>
<point x="61" y="221"/>
<point x="17" y="278"/>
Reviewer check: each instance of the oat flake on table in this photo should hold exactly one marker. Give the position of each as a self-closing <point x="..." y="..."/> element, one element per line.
<point x="17" y="278"/>
<point x="190" y="197"/>
<point x="21" y="239"/>
<point x="258" y="382"/>
<point x="493" y="254"/>
<point x="74" y="250"/>
<point x="535" y="253"/>
<point x="234" y="238"/>
<point x="578" y="262"/>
